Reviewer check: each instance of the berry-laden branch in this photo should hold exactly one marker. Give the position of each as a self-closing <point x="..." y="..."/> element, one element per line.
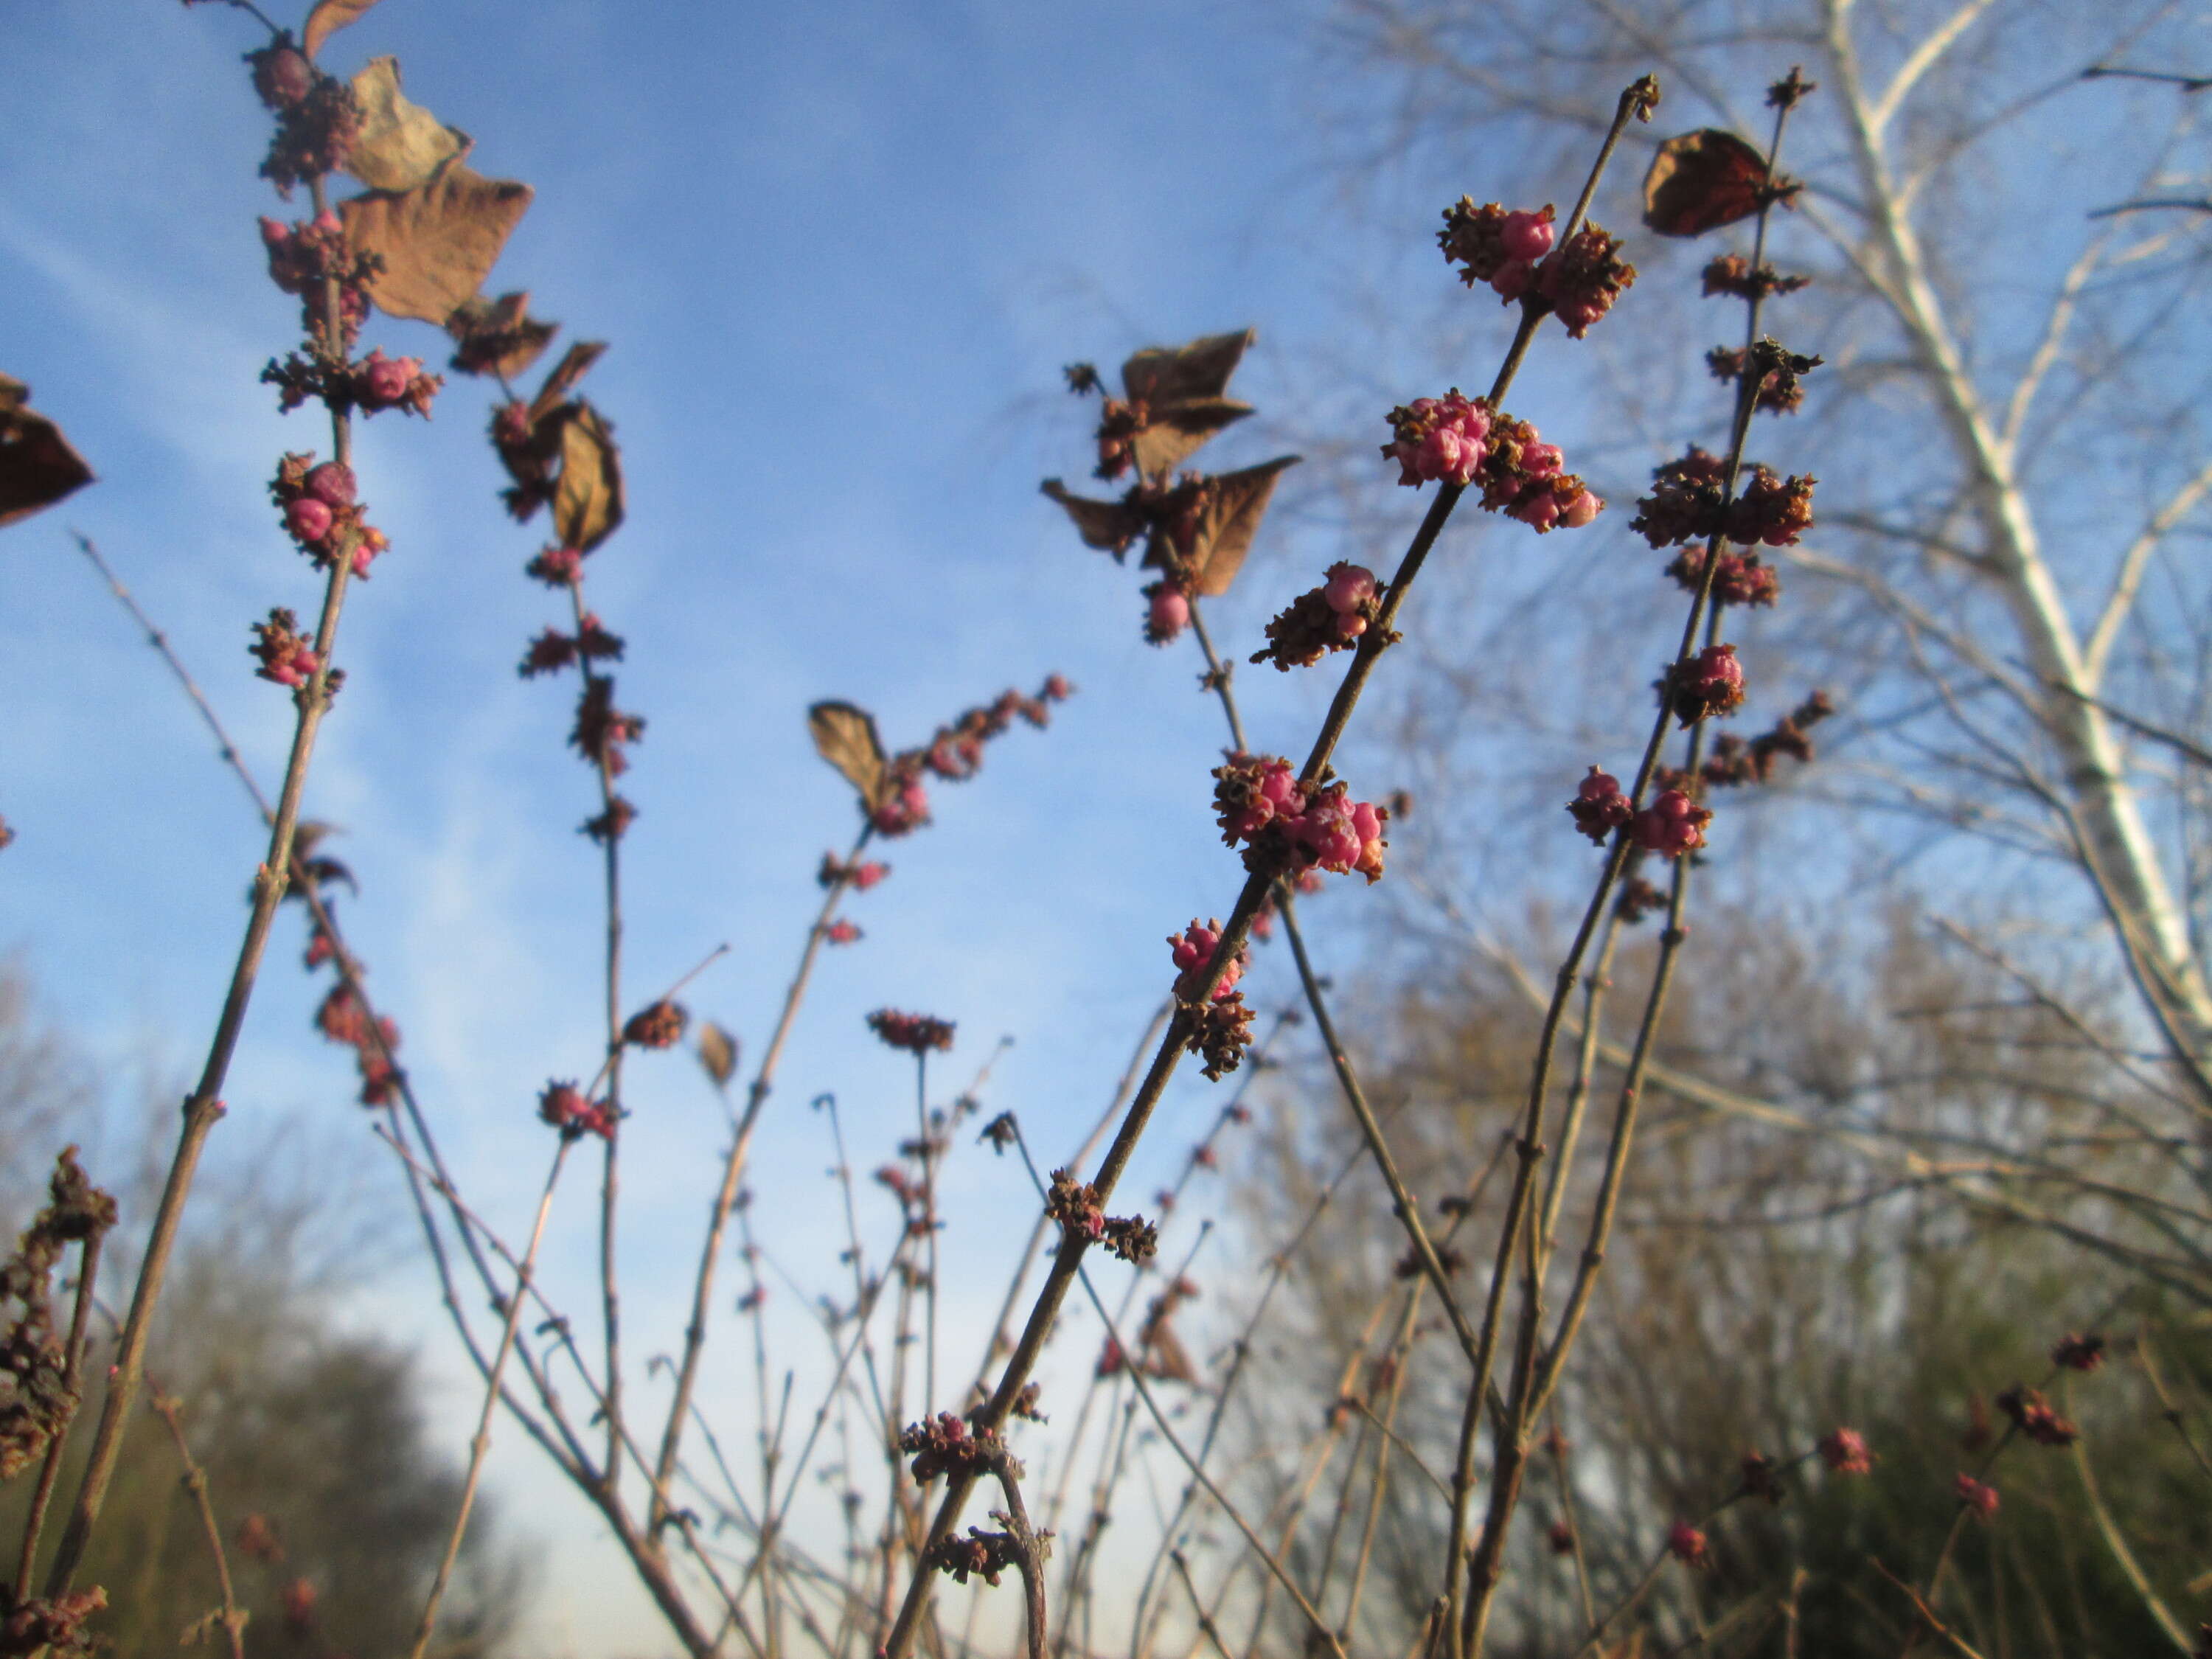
<point x="316" y="123"/>
<point x="1338" y="841"/>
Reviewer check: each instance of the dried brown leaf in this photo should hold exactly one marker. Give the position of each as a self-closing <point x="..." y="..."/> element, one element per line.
<point x="1700" y="181"/>
<point x="1108" y="526"/>
<point x="498" y="336"/>
<point x="1176" y="433"/>
<point x="328" y="17"/>
<point x="1164" y="375"/>
<point x="438" y="241"/>
<point x="574" y="364"/>
<point x="1165" y="1359"/>
<point x="38" y="467"/>
<point x="718" y="1052"/>
<point x="1231" y="520"/>
<point x="400" y="145"/>
<point x="845" y="736"/>
<point x="587" y="501"/>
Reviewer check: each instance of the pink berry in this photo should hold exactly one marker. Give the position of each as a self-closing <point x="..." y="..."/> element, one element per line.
<point x="332" y="485"/>
<point x="1349" y="587"/>
<point x="1598" y="785"/>
<point x="1541" y="460"/>
<point x="1511" y="280"/>
<point x="1170" y="614"/>
<point x="1581" y="510"/>
<point x="308" y="518"/>
<point x="1526" y="235"/>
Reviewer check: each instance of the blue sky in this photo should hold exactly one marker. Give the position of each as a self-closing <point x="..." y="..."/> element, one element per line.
<point x="841" y="257"/>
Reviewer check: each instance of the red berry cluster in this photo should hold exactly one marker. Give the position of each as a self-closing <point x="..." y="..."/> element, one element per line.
<point x="1685" y="505"/>
<point x="858" y="875"/>
<point x="843" y="931"/>
<point x="1741" y="580"/>
<point x="981" y="1555"/>
<point x="944" y="1445"/>
<point x="317" y="119"/>
<point x="287" y="656"/>
<point x="1513" y="252"/>
<point x="305" y="255"/>
<point x="1710" y="683"/>
<point x="342" y="1019"/>
<point x="1845" y="1450"/>
<point x="553" y="651"/>
<point x="1976" y="1495"/>
<point x="916" y="1033"/>
<point x="2037" y="1418"/>
<point x="1076" y="1205"/>
<point x="563" y="1106"/>
<point x="1688" y="1545"/>
<point x="658" y="1026"/>
<point x="602" y="730"/>
<point x="955" y="752"/>
<point x="321" y="514"/>
<point x="1193" y="950"/>
<point x="1457" y="441"/>
<point x="1287" y="826"/>
<point x="1599" y="808"/>
<point x="2078" y="1353"/>
<point x="1333" y="616"/>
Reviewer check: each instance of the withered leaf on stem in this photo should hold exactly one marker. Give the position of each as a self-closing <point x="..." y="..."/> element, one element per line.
<point x="1700" y="181"/>
<point x="845" y="736"/>
<point x="1164" y="375"/>
<point x="718" y="1052"/>
<point x="1175" y="433"/>
<point x="438" y="241"/>
<point x="37" y="465"/>
<point x="498" y="336"/>
<point x="1231" y="519"/>
<point x="400" y="145"/>
<point x="574" y="364"/>
<point x="328" y="17"/>
<point x="587" y="501"/>
<point x="1109" y="525"/>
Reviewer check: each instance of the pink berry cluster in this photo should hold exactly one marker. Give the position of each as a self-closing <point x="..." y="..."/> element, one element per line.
<point x="317" y="119"/>
<point x="860" y="875"/>
<point x="1512" y="250"/>
<point x="1845" y="1450"/>
<point x="1741" y="580"/>
<point x="1671" y="825"/>
<point x="287" y="656"/>
<point x="553" y="651"/>
<point x="376" y="382"/>
<point x="343" y="1019"/>
<point x="1193" y="950"/>
<point x="917" y="1034"/>
<point x="305" y="255"/>
<point x="1333" y="616"/>
<point x="1976" y="1495"/>
<point x="844" y="931"/>
<point x="1287" y="826"/>
<point x="2036" y="1418"/>
<point x="955" y="753"/>
<point x="563" y="1105"/>
<point x="2078" y="1353"/>
<point x="1685" y="505"/>
<point x="1689" y="1544"/>
<point x="601" y="731"/>
<point x="1460" y="441"/>
<point x="321" y="515"/>
<point x="944" y="1445"/>
<point x="1076" y="1207"/>
<point x="556" y="567"/>
<point x="1709" y="683"/>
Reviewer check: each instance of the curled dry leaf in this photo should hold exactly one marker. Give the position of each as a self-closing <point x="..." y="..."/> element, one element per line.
<point x="37" y="465"/>
<point x="1164" y="375"/>
<point x="328" y="17"/>
<point x="845" y="736"/>
<point x="574" y="364"/>
<point x="1230" y="521"/>
<point x="587" y="500"/>
<point x="498" y="336"/>
<point x="1700" y="181"/>
<point x="1110" y="526"/>
<point x="718" y="1052"/>
<point x="400" y="145"/>
<point x="438" y="241"/>
<point x="1176" y="433"/>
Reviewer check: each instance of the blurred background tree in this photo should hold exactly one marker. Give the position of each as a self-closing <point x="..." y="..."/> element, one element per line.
<point x="331" y="1494"/>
